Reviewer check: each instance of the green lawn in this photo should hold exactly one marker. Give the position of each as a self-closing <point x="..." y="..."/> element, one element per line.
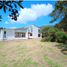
<point x="31" y="53"/>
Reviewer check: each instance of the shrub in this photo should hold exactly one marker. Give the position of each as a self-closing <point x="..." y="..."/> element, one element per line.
<point x="61" y="37"/>
<point x="53" y="30"/>
<point x="52" y="34"/>
<point x="45" y="39"/>
<point x="44" y="31"/>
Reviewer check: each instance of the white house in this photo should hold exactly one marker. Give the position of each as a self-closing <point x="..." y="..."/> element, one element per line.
<point x="20" y="33"/>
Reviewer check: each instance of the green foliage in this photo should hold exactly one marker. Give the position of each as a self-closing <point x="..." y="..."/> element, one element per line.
<point x="63" y="24"/>
<point x="53" y="30"/>
<point x="44" y="31"/>
<point x="54" y="35"/>
<point x="48" y="33"/>
<point x="61" y="37"/>
<point x="60" y="13"/>
<point x="11" y="6"/>
<point x="44" y="39"/>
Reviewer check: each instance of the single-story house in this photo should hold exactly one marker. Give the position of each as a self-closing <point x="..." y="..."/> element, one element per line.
<point x="28" y="32"/>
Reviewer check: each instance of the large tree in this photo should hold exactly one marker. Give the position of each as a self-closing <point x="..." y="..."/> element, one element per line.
<point x="12" y="7"/>
<point x="60" y="12"/>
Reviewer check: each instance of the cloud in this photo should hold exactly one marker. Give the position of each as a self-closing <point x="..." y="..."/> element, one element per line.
<point x="6" y="22"/>
<point x="31" y="14"/>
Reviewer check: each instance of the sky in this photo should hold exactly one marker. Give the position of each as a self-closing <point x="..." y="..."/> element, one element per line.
<point x="34" y="13"/>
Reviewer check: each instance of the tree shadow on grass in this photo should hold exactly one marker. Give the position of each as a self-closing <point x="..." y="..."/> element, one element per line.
<point x="62" y="47"/>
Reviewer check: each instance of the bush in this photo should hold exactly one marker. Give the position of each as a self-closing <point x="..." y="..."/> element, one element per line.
<point x="44" y="31"/>
<point x="53" y="30"/>
<point x="61" y="37"/>
<point x="45" y="39"/>
<point x="52" y="34"/>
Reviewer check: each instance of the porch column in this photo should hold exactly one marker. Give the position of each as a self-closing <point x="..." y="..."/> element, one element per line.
<point x="27" y="35"/>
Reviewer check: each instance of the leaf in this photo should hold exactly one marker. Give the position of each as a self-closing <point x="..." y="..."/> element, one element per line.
<point x="8" y="3"/>
<point x="4" y="7"/>
<point x="20" y="5"/>
<point x="1" y="6"/>
<point x="15" y="5"/>
<point x="20" y="1"/>
<point x="0" y="16"/>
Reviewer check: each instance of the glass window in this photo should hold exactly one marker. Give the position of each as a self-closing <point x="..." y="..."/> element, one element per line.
<point x="23" y="34"/>
<point x="19" y="34"/>
<point x="30" y="34"/>
<point x="39" y="30"/>
<point x="38" y="35"/>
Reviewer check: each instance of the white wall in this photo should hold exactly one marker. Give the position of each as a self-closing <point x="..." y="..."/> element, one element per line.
<point x="34" y="32"/>
<point x="10" y="34"/>
<point x="1" y="34"/>
<point x="27" y="34"/>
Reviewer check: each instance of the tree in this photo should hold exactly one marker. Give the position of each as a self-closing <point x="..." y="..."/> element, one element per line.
<point x="62" y="25"/>
<point x="11" y="6"/>
<point x="60" y="12"/>
<point x="44" y="30"/>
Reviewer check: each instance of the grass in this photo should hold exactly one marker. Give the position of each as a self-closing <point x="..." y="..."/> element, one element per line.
<point x="1" y="45"/>
<point x="3" y="65"/>
<point x="31" y="53"/>
<point x="26" y="63"/>
<point x="51" y="63"/>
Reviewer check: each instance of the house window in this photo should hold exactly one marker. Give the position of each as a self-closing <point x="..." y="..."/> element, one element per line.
<point x="19" y="34"/>
<point x="30" y="34"/>
<point x="23" y="34"/>
<point x="39" y="30"/>
<point x="16" y="34"/>
<point x="38" y="35"/>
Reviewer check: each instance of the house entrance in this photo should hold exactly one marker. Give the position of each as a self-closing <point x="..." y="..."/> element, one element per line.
<point x="4" y="34"/>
